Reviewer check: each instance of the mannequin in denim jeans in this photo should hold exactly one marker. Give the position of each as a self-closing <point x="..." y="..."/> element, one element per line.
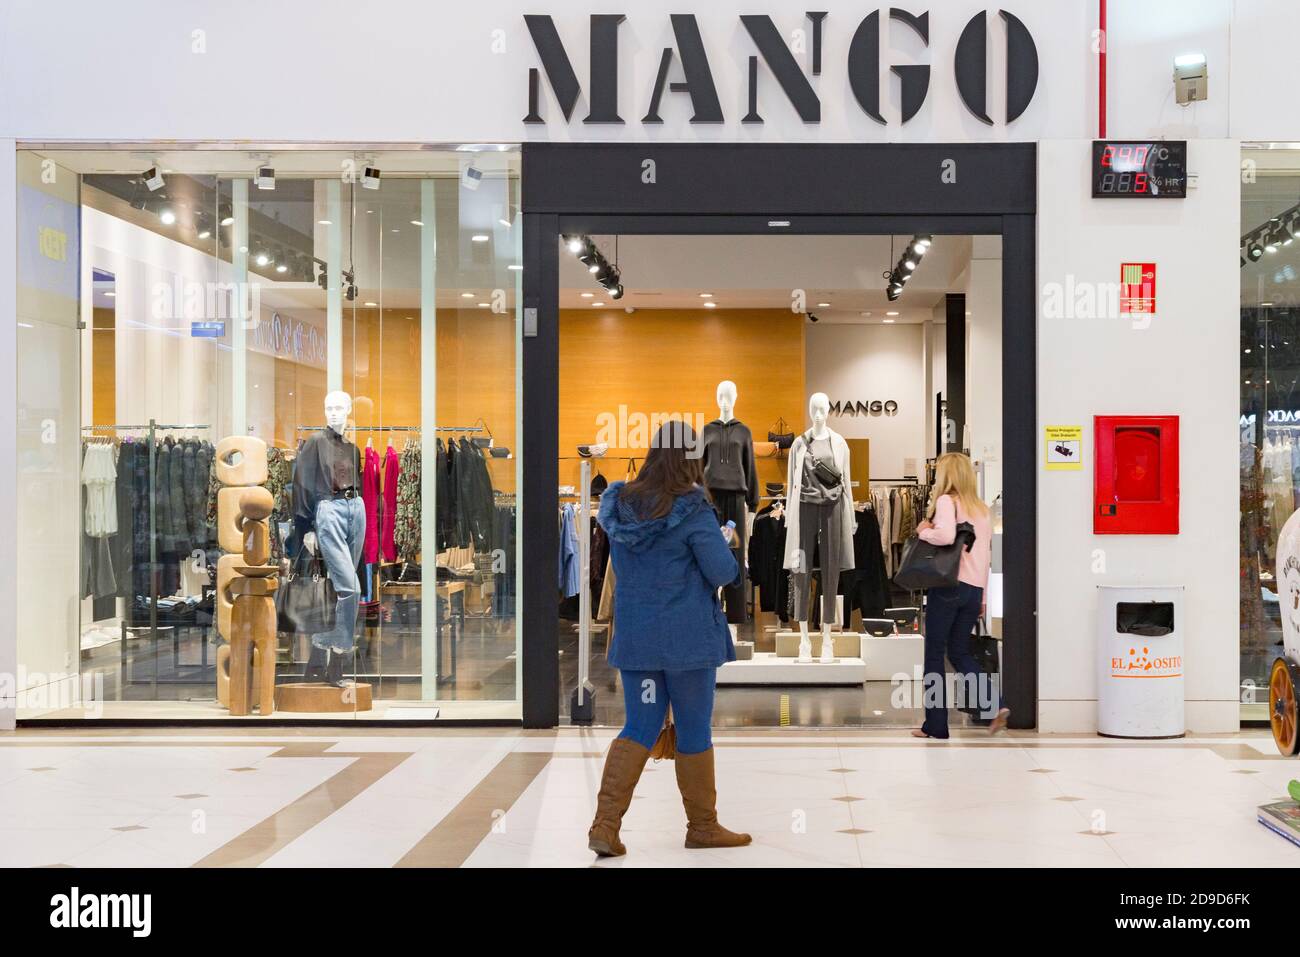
<point x="330" y="482"/>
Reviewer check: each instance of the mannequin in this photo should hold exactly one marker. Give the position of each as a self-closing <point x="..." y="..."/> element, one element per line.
<point x="327" y="493"/>
<point x="731" y="476"/>
<point x="820" y="519"/>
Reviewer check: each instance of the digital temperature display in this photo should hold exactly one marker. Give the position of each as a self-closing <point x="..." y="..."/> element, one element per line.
<point x="1139" y="170"/>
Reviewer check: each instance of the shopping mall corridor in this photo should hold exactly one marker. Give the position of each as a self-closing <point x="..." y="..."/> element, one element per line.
<point x="491" y="797"/>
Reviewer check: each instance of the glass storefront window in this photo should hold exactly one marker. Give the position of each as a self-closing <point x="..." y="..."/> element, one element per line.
<point x="242" y="302"/>
<point x="1270" y="407"/>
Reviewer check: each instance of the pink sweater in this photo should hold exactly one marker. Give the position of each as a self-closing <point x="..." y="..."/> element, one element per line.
<point x="974" y="563"/>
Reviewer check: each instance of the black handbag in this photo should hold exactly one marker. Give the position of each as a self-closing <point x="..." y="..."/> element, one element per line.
<point x="933" y="566"/>
<point x="782" y="440"/>
<point x="984" y="649"/>
<point x="305" y="602"/>
<point x="826" y="473"/>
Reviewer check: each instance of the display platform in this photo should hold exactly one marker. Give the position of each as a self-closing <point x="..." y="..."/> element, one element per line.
<point x="894" y="655"/>
<point x="765" y="668"/>
<point x="321" y="698"/>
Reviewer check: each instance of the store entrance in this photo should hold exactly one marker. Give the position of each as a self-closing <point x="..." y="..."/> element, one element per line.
<point x="770" y="250"/>
<point x="732" y="335"/>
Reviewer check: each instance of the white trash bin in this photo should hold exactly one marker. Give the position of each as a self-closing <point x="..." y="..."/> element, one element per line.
<point x="1140" y="689"/>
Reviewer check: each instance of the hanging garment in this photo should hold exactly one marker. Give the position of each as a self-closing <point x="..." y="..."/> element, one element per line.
<point x="279" y="482"/>
<point x="766" y="554"/>
<point x="570" y="571"/>
<point x="406" y="532"/>
<point x="731" y="506"/>
<point x="388" y="514"/>
<point x="475" y="502"/>
<point x="99" y="519"/>
<point x="371" y="497"/>
<point x="445" y="506"/>
<point x="503" y="599"/>
<point x="127" y="502"/>
<point x="866" y="588"/>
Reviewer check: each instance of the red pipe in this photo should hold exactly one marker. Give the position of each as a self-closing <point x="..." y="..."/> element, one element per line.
<point x="1101" y="74"/>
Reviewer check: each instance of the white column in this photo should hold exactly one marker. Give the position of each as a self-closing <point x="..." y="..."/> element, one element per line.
<point x="9" y="438"/>
<point x="429" y="618"/>
<point x="334" y="294"/>
<point x="244" y="320"/>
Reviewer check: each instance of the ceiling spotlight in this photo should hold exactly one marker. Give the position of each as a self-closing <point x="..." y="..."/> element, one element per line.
<point x="575" y="244"/>
<point x="370" y="305"/>
<point x="710" y="305"/>
<point x="370" y="178"/>
<point x="205" y="233"/>
<point x="587" y="295"/>
<point x="823" y="305"/>
<point x="909" y="265"/>
<point x="922" y="243"/>
<point x="467" y="295"/>
<point x="262" y="259"/>
<point x="325" y="222"/>
<point x="153" y="179"/>
<point x="480" y="238"/>
<point x="1254" y="251"/>
<point x="282" y="268"/>
<point x="265" y="178"/>
<point x="706" y="295"/>
<point x="416" y="222"/>
<point x="616" y="292"/>
<point x="891" y="313"/>
<point x="227" y="216"/>
<point x="167" y="217"/>
<point x="596" y="304"/>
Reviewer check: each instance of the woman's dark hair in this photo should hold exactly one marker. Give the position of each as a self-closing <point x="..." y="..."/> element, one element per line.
<point x="673" y="467"/>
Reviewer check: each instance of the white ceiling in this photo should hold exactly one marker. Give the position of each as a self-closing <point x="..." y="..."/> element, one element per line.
<point x="764" y="272"/>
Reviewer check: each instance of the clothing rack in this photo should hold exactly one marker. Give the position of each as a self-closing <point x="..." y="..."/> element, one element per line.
<point x="902" y="481"/>
<point x="152" y="428"/>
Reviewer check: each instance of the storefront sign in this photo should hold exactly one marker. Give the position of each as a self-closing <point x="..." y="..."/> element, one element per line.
<point x="1064" y="447"/>
<point x="969" y="63"/>
<point x="1137" y="289"/>
<point x="850" y="408"/>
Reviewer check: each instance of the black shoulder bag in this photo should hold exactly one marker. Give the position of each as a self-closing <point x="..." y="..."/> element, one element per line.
<point x="933" y="566"/>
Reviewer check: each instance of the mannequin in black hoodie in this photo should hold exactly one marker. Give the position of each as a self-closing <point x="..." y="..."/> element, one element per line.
<point x="731" y="477"/>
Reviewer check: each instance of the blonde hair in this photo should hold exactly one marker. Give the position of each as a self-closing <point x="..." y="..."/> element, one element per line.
<point x="954" y="475"/>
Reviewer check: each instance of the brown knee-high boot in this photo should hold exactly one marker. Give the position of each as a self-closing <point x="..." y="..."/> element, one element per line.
<point x="700" y="798"/>
<point x="623" y="766"/>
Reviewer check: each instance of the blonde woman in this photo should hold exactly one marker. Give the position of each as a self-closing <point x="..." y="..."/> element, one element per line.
<point x="951" y="613"/>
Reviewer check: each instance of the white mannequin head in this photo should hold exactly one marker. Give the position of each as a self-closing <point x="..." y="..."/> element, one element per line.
<point x="726" y="399"/>
<point x="338" y="406"/>
<point x="819" y="408"/>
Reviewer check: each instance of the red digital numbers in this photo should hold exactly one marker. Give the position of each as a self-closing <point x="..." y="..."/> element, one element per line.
<point x="1127" y="156"/>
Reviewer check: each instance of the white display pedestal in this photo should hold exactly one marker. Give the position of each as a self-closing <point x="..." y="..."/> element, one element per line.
<point x="895" y="655"/>
<point x="766" y="668"/>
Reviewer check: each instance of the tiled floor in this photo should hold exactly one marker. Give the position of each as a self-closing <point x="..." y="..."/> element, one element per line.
<point x="484" y="798"/>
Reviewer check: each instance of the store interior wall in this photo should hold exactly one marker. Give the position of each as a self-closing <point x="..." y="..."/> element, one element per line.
<point x="669" y="362"/>
<point x="860" y="362"/>
<point x="1183" y="362"/>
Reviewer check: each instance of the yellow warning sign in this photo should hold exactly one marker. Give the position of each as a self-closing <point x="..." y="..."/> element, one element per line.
<point x="1064" y="444"/>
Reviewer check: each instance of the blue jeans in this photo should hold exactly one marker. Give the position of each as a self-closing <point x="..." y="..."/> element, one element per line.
<point x="647" y="694"/>
<point x="950" y="617"/>
<point x="340" y="535"/>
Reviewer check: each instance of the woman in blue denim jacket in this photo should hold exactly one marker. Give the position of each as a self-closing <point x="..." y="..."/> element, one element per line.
<point x="670" y="558"/>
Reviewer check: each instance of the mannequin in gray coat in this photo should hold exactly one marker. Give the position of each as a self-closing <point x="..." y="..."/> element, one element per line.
<point x="820" y="516"/>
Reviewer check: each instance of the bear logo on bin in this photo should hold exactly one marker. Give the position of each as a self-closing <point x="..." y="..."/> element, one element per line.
<point x="1140" y="663"/>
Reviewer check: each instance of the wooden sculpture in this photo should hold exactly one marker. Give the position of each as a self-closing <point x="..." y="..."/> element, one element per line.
<point x="246" y="580"/>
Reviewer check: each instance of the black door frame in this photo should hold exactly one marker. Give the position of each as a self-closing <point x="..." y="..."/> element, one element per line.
<point x="781" y="189"/>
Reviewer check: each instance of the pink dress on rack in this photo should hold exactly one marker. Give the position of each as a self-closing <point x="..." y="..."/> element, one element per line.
<point x="370" y="496"/>
<point x="388" y="521"/>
